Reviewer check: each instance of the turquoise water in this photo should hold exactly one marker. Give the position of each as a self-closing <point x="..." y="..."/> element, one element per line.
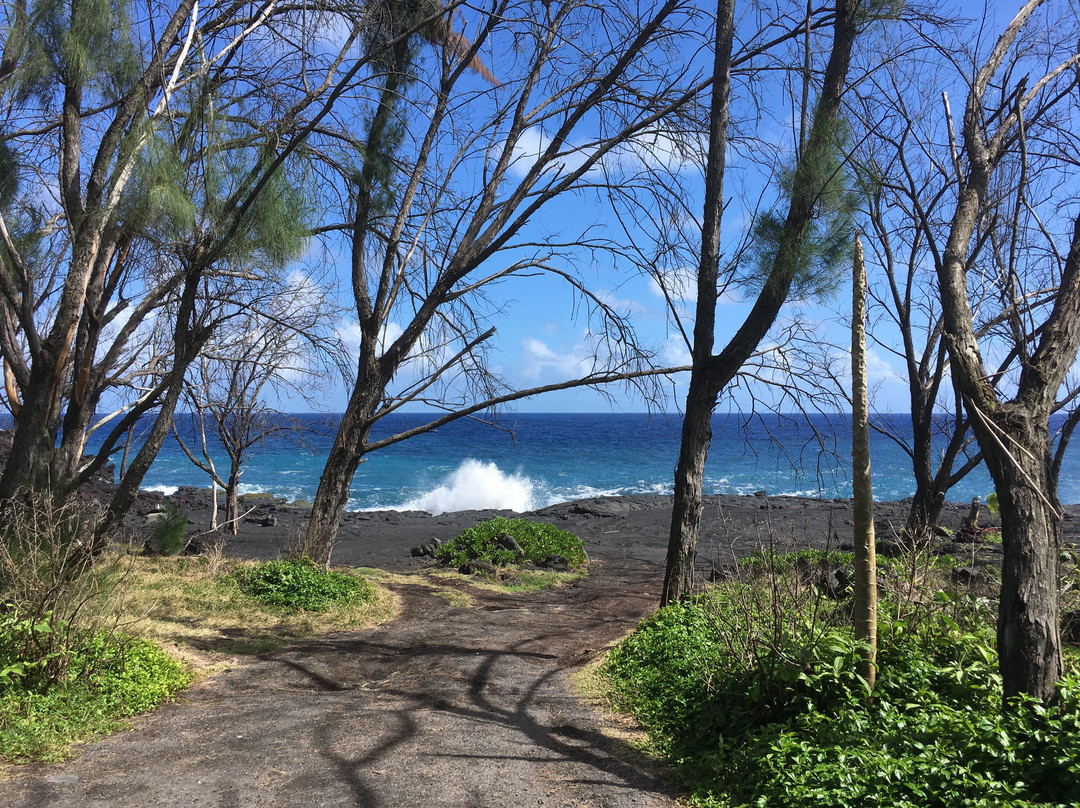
<point x="533" y="460"/>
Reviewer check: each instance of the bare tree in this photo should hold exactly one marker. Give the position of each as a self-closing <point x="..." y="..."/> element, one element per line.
<point x="1013" y="130"/>
<point x="815" y="169"/>
<point x="452" y="180"/>
<point x="280" y="348"/>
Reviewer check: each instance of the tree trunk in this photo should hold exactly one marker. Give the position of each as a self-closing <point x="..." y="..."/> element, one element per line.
<point x="701" y="396"/>
<point x="1029" y="639"/>
<point x="711" y="373"/>
<point x="330" y="499"/>
<point x="31" y="441"/>
<point x="213" y="504"/>
<point x="689" y="479"/>
<point x="336" y="479"/>
<point x="865" y="606"/>
<point x="232" y="509"/>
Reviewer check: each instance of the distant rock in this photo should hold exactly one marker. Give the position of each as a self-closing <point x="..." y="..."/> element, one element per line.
<point x="555" y="563"/>
<point x="477" y="567"/>
<point x="505" y="541"/>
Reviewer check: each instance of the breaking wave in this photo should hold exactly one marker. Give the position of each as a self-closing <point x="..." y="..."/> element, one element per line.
<point x="476" y="485"/>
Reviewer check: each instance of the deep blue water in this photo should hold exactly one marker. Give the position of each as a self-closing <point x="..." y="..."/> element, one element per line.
<point x="548" y="458"/>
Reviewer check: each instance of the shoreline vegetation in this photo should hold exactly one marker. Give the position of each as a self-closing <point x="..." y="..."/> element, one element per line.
<point x="192" y="606"/>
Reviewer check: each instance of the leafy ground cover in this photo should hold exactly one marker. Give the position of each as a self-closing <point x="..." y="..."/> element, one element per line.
<point x="201" y="609"/>
<point x="750" y="690"/>
<point x="299" y="585"/>
<point x="106" y="677"/>
<point x="538" y="541"/>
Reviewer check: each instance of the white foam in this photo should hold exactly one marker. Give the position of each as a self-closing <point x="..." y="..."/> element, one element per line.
<point x="165" y="490"/>
<point x="475" y="485"/>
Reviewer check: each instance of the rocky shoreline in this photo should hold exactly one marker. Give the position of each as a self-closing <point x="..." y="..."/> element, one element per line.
<point x="627" y="527"/>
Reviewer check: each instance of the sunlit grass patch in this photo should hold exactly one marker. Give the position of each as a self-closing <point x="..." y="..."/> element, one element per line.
<point x="183" y="601"/>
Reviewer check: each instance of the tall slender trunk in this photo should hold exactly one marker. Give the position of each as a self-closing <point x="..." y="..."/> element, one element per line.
<point x="701" y="396"/>
<point x="213" y="504"/>
<point x="865" y="606"/>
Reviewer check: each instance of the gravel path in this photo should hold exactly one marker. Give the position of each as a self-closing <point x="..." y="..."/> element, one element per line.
<point x="444" y="706"/>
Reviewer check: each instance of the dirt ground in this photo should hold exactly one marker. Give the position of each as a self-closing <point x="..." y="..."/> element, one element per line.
<point x="445" y="705"/>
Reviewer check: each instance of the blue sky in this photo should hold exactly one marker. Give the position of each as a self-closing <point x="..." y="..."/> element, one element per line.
<point x="540" y="341"/>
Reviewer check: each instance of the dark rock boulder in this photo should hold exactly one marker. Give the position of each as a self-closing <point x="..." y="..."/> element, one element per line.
<point x="835" y="582"/>
<point x="555" y="563"/>
<point x="504" y="541"/>
<point x="477" y="567"/>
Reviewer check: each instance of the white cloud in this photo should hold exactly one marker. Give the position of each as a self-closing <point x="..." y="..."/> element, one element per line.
<point x="678" y="284"/>
<point x="537" y="358"/>
<point x="656" y="149"/>
<point x="623" y="305"/>
<point x="674" y="351"/>
<point x="878" y="369"/>
<point x="348" y="331"/>
<point x="529" y="147"/>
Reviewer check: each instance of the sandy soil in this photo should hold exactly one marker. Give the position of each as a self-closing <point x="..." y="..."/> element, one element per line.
<point x="444" y="706"/>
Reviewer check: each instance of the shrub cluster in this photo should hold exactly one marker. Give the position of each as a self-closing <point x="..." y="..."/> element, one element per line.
<point x="788" y="722"/>
<point x="300" y="585"/>
<point x="538" y="541"/>
<point x="168" y="533"/>
<point x="103" y="677"/>
<point x="65" y="671"/>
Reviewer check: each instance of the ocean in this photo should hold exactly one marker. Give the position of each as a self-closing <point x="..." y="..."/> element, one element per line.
<point x="532" y="460"/>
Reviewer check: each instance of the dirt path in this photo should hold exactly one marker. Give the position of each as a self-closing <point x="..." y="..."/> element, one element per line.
<point x="445" y="706"/>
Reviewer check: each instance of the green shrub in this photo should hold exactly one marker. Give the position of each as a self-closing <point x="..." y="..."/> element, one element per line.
<point x="790" y="724"/>
<point x="168" y="533"/>
<point x="107" y="678"/>
<point x="538" y="540"/>
<point x="300" y="585"/>
<point x="25" y="652"/>
<point x="131" y="675"/>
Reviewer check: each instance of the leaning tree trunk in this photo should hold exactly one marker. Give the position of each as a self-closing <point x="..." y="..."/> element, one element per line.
<point x="689" y="483"/>
<point x="865" y="606"/>
<point x="1029" y="639"/>
<point x="345" y="456"/>
<point x="188" y="342"/>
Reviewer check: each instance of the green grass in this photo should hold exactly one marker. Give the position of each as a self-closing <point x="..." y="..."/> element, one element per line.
<point x="198" y="605"/>
<point x="781" y="719"/>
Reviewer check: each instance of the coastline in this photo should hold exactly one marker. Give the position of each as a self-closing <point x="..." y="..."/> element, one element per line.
<point x="633" y="527"/>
